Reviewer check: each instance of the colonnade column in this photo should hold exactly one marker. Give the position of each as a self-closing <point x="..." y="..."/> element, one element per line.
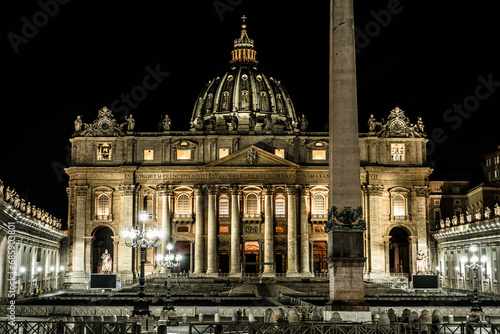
<point x="235" y="230"/>
<point x="212" y="231"/>
<point x="304" y="231"/>
<point x="199" y="244"/>
<point x="268" y="230"/>
<point x="3" y="264"/>
<point x="165" y="190"/>
<point x="292" y="231"/>
<point x="125" y="259"/>
<point x="191" y="256"/>
<point x="375" y="247"/>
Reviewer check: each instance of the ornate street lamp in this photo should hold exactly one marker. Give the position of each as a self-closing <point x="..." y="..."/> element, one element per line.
<point x="475" y="265"/>
<point x="169" y="261"/>
<point x="143" y="239"/>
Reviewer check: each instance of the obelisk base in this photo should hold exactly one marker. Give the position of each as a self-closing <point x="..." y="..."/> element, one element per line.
<point x="347" y="290"/>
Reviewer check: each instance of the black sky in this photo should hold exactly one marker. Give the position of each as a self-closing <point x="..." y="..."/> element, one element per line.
<point x="425" y="57"/>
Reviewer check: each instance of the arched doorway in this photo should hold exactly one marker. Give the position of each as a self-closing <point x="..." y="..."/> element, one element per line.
<point x="102" y="240"/>
<point x="252" y="256"/>
<point x="399" y="251"/>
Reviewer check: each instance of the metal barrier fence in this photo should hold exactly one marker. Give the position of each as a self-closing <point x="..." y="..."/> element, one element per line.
<point x="340" y="328"/>
<point x="60" y="327"/>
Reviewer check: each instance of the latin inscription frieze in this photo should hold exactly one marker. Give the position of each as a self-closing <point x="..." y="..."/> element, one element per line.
<point x="184" y="176"/>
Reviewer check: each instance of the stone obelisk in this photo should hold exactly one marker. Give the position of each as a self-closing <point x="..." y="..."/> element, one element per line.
<point x="345" y="225"/>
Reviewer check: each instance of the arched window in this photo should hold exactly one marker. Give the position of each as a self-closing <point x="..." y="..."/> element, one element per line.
<point x="399" y="206"/>
<point x="103" y="206"/>
<point x="318" y="204"/>
<point x="223" y="206"/>
<point x="280" y="205"/>
<point x="252" y="204"/>
<point x="183" y="204"/>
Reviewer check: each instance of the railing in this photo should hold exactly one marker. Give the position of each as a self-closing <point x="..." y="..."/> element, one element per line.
<point x="340" y="328"/>
<point x="60" y="327"/>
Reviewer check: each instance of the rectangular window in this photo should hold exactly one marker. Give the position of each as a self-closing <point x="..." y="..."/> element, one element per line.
<point x="497" y="173"/>
<point x="223" y="152"/>
<point x="456" y="189"/>
<point x="149" y="154"/>
<point x="457" y="202"/>
<point x="280" y="152"/>
<point x="183" y="154"/>
<point x="319" y="154"/>
<point x="39" y="254"/>
<point x="183" y="229"/>
<point x="437" y="188"/>
<point x="398" y="152"/>
<point x="497" y="160"/>
<point x="224" y="229"/>
<point x="280" y="229"/>
<point x="488" y="162"/>
<point x="104" y="152"/>
<point x="437" y="201"/>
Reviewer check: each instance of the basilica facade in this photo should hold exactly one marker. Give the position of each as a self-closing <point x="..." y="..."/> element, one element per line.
<point x="244" y="189"/>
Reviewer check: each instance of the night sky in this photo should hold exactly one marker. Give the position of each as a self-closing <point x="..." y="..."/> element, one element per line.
<point x="427" y="57"/>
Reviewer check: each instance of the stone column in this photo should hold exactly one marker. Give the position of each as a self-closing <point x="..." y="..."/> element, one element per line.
<point x="311" y="256"/>
<point x="3" y="265"/>
<point x="212" y="232"/>
<point x="88" y="260"/>
<point x="304" y="231"/>
<point x="375" y="247"/>
<point x="77" y="280"/>
<point x="199" y="244"/>
<point x="125" y="263"/>
<point x="419" y="212"/>
<point x="412" y="243"/>
<point x="268" y="231"/>
<point x="191" y="256"/>
<point x="292" y="231"/>
<point x="166" y="192"/>
<point x="235" y="231"/>
<point x="116" y="256"/>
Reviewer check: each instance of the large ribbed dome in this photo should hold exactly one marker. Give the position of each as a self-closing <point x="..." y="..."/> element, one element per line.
<point x="244" y="98"/>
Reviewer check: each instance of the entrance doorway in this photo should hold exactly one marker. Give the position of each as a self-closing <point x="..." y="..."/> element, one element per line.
<point x="399" y="254"/>
<point x="223" y="263"/>
<point x="102" y="240"/>
<point x="252" y="255"/>
<point x="279" y="258"/>
<point x="183" y="248"/>
<point x="319" y="255"/>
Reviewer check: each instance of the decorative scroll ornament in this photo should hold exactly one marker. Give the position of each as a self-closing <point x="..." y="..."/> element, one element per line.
<point x="347" y="219"/>
<point x="104" y="125"/>
<point x="397" y="125"/>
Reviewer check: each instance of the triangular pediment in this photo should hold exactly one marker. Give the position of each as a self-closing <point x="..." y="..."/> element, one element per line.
<point x="252" y="156"/>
